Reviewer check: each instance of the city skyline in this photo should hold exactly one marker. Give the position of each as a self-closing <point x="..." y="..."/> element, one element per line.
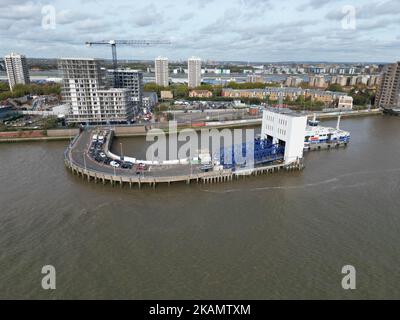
<point x="241" y="30"/>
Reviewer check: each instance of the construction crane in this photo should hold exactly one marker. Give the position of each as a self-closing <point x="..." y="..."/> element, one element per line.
<point x="133" y="43"/>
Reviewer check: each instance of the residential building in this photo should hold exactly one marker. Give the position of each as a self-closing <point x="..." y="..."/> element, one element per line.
<point x="166" y="95"/>
<point x="317" y="70"/>
<point x="194" y="72"/>
<point x="150" y="100"/>
<point x="200" y="94"/>
<point x="115" y="106"/>
<point x="293" y="81"/>
<point x="345" y="102"/>
<point x="342" y="80"/>
<point x="362" y="79"/>
<point x="162" y="71"/>
<point x="353" y="80"/>
<point x="388" y="95"/>
<point x="274" y="94"/>
<point x="222" y="71"/>
<point x="255" y="78"/>
<point x="373" y="80"/>
<point x="17" y="69"/>
<point x="132" y="80"/>
<point x="84" y="90"/>
<point x="318" y="81"/>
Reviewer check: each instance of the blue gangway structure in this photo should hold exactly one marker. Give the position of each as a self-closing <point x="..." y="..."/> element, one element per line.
<point x="260" y="152"/>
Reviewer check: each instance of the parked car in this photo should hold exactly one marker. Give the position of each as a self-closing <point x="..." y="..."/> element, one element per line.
<point x="141" y="166"/>
<point x="127" y="165"/>
<point x="114" y="164"/>
<point x="206" y="167"/>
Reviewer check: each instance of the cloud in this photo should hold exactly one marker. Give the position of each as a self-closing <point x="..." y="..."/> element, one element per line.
<point x="69" y="16"/>
<point x="314" y="4"/>
<point x="27" y="10"/>
<point x="147" y="16"/>
<point x="225" y="29"/>
<point x="187" y="16"/>
<point x="369" y="10"/>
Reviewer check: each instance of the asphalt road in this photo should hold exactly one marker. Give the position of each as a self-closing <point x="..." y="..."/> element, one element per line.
<point x="79" y="154"/>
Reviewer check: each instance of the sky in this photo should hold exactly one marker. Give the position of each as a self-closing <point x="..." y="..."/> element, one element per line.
<point x="217" y="30"/>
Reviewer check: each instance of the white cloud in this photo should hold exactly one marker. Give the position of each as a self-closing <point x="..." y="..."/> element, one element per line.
<point x="224" y="29"/>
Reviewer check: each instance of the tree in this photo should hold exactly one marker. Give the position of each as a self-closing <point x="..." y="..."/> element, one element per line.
<point x="208" y="87"/>
<point x="335" y="88"/>
<point x="180" y="91"/>
<point x="217" y="90"/>
<point x="50" y="123"/>
<point x="152" y="86"/>
<point x="21" y="90"/>
<point x="4" y="87"/>
<point x="246" y="85"/>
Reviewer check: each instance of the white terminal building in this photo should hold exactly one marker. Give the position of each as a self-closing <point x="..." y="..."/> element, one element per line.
<point x="287" y="128"/>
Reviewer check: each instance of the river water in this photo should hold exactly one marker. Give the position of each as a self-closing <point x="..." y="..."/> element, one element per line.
<point x="285" y="235"/>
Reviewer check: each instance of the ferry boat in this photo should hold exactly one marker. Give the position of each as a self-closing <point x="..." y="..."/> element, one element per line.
<point x="318" y="136"/>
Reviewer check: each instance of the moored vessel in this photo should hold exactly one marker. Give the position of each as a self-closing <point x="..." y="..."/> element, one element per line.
<point x="318" y="137"/>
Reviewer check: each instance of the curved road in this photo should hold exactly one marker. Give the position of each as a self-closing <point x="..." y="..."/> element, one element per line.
<point x="79" y="155"/>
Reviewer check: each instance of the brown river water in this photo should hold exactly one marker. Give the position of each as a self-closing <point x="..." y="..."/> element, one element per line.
<point x="285" y="235"/>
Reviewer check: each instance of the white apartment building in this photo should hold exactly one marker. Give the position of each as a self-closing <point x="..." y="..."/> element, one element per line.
<point x="293" y="81"/>
<point x="317" y="81"/>
<point x="85" y="92"/>
<point x="287" y="128"/>
<point x="162" y="71"/>
<point x="115" y="105"/>
<point x="255" y="78"/>
<point x="194" y="72"/>
<point x="17" y="69"/>
<point x="342" y="80"/>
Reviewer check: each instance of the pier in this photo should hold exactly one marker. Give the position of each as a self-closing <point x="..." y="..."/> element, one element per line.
<point x="79" y="163"/>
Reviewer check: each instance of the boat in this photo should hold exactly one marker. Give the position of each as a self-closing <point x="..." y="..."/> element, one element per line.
<point x="317" y="136"/>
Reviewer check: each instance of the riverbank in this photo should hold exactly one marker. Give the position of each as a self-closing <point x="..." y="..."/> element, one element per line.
<point x="141" y="131"/>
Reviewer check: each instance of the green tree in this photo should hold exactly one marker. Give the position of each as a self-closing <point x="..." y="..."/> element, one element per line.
<point x="246" y="85"/>
<point x="335" y="88"/>
<point x="50" y="123"/>
<point x="151" y="86"/>
<point x="180" y="91"/>
<point x="208" y="87"/>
